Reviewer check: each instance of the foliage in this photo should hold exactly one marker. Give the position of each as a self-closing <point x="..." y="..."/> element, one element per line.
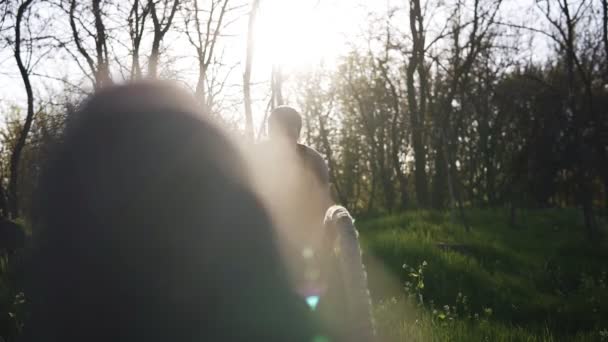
<point x="46" y="129"/>
<point x="451" y="112"/>
<point x="540" y="282"/>
<point x="12" y="300"/>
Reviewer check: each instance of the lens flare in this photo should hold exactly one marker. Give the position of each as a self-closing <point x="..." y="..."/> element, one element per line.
<point x="320" y="338"/>
<point x="312" y="301"/>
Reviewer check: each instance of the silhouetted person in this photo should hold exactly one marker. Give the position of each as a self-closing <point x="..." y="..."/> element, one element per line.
<point x="292" y="178"/>
<point x="293" y="181"/>
<point x="147" y="230"/>
<point x="284" y="128"/>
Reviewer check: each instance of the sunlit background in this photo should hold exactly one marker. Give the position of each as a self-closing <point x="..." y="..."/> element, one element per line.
<point x="290" y="36"/>
<point x="451" y="158"/>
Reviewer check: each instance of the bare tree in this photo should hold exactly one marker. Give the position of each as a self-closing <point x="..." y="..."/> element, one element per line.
<point x="137" y="24"/>
<point x="98" y="64"/>
<point x="24" y="71"/>
<point x="416" y="99"/>
<point x="461" y="58"/>
<point x="397" y="129"/>
<point x="204" y="39"/>
<point x="605" y="30"/>
<point x="161" y="23"/>
<point x="565" y="23"/>
<point x="371" y="104"/>
<point x="276" y="81"/>
<point x="247" y="74"/>
<point x="603" y="124"/>
<point x="317" y="106"/>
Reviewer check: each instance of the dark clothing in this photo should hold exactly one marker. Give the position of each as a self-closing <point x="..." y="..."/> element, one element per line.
<point x="294" y="181"/>
<point x="314" y="162"/>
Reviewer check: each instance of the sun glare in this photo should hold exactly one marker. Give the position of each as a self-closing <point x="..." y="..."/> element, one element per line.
<point x="297" y="34"/>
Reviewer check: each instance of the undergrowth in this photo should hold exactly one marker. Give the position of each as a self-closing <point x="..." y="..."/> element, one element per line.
<point x="433" y="281"/>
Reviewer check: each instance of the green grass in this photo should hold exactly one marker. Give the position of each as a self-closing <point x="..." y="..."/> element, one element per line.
<point x="540" y="281"/>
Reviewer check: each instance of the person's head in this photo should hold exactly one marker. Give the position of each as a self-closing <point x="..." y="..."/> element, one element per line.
<point x="285" y="123"/>
<point x="147" y="230"/>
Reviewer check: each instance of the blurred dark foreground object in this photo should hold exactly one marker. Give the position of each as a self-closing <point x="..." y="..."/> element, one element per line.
<point x="12" y="236"/>
<point x="12" y="244"/>
<point x="146" y="229"/>
<point x="346" y="307"/>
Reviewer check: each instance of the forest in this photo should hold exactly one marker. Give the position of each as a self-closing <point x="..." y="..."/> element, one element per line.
<point x="468" y="137"/>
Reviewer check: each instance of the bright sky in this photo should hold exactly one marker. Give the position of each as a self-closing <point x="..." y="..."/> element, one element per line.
<point x="295" y="34"/>
<point x="299" y="33"/>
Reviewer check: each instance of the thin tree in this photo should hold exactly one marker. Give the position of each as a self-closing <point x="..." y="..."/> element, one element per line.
<point x="13" y="200"/>
<point x="204" y="39"/>
<point x="416" y="99"/>
<point x="98" y="64"/>
<point x="247" y="74"/>
<point x="276" y="81"/>
<point x="461" y="58"/>
<point x="604" y="124"/>
<point x="161" y="23"/>
<point x="396" y="126"/>
<point x="137" y="24"/>
<point x="580" y="106"/>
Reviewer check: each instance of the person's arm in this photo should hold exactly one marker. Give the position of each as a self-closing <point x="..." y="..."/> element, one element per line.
<point x="345" y="243"/>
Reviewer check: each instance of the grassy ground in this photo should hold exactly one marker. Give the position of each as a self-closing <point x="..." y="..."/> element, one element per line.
<point x="433" y="281"/>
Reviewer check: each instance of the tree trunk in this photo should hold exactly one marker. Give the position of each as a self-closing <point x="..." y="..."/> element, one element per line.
<point x="154" y="56"/>
<point x="440" y="184"/>
<point x="396" y="136"/>
<point x="277" y="86"/>
<point x="387" y="184"/>
<point x="4" y="213"/>
<point x="136" y="73"/>
<point x="13" y="200"/>
<point x="605" y="32"/>
<point x="330" y="160"/>
<point x="137" y="24"/>
<point x="200" y="93"/>
<point x="455" y="186"/>
<point x="372" y="195"/>
<point x="204" y="43"/>
<point x="103" y="65"/>
<point x="416" y="63"/>
<point x="583" y="178"/>
<point x="247" y="74"/>
<point x="420" y="178"/>
<point x="161" y="26"/>
<point x="590" y="223"/>
<point x="606" y="193"/>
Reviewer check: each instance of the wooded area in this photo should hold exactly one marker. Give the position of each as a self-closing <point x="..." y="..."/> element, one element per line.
<point x="430" y="113"/>
<point x="454" y="111"/>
